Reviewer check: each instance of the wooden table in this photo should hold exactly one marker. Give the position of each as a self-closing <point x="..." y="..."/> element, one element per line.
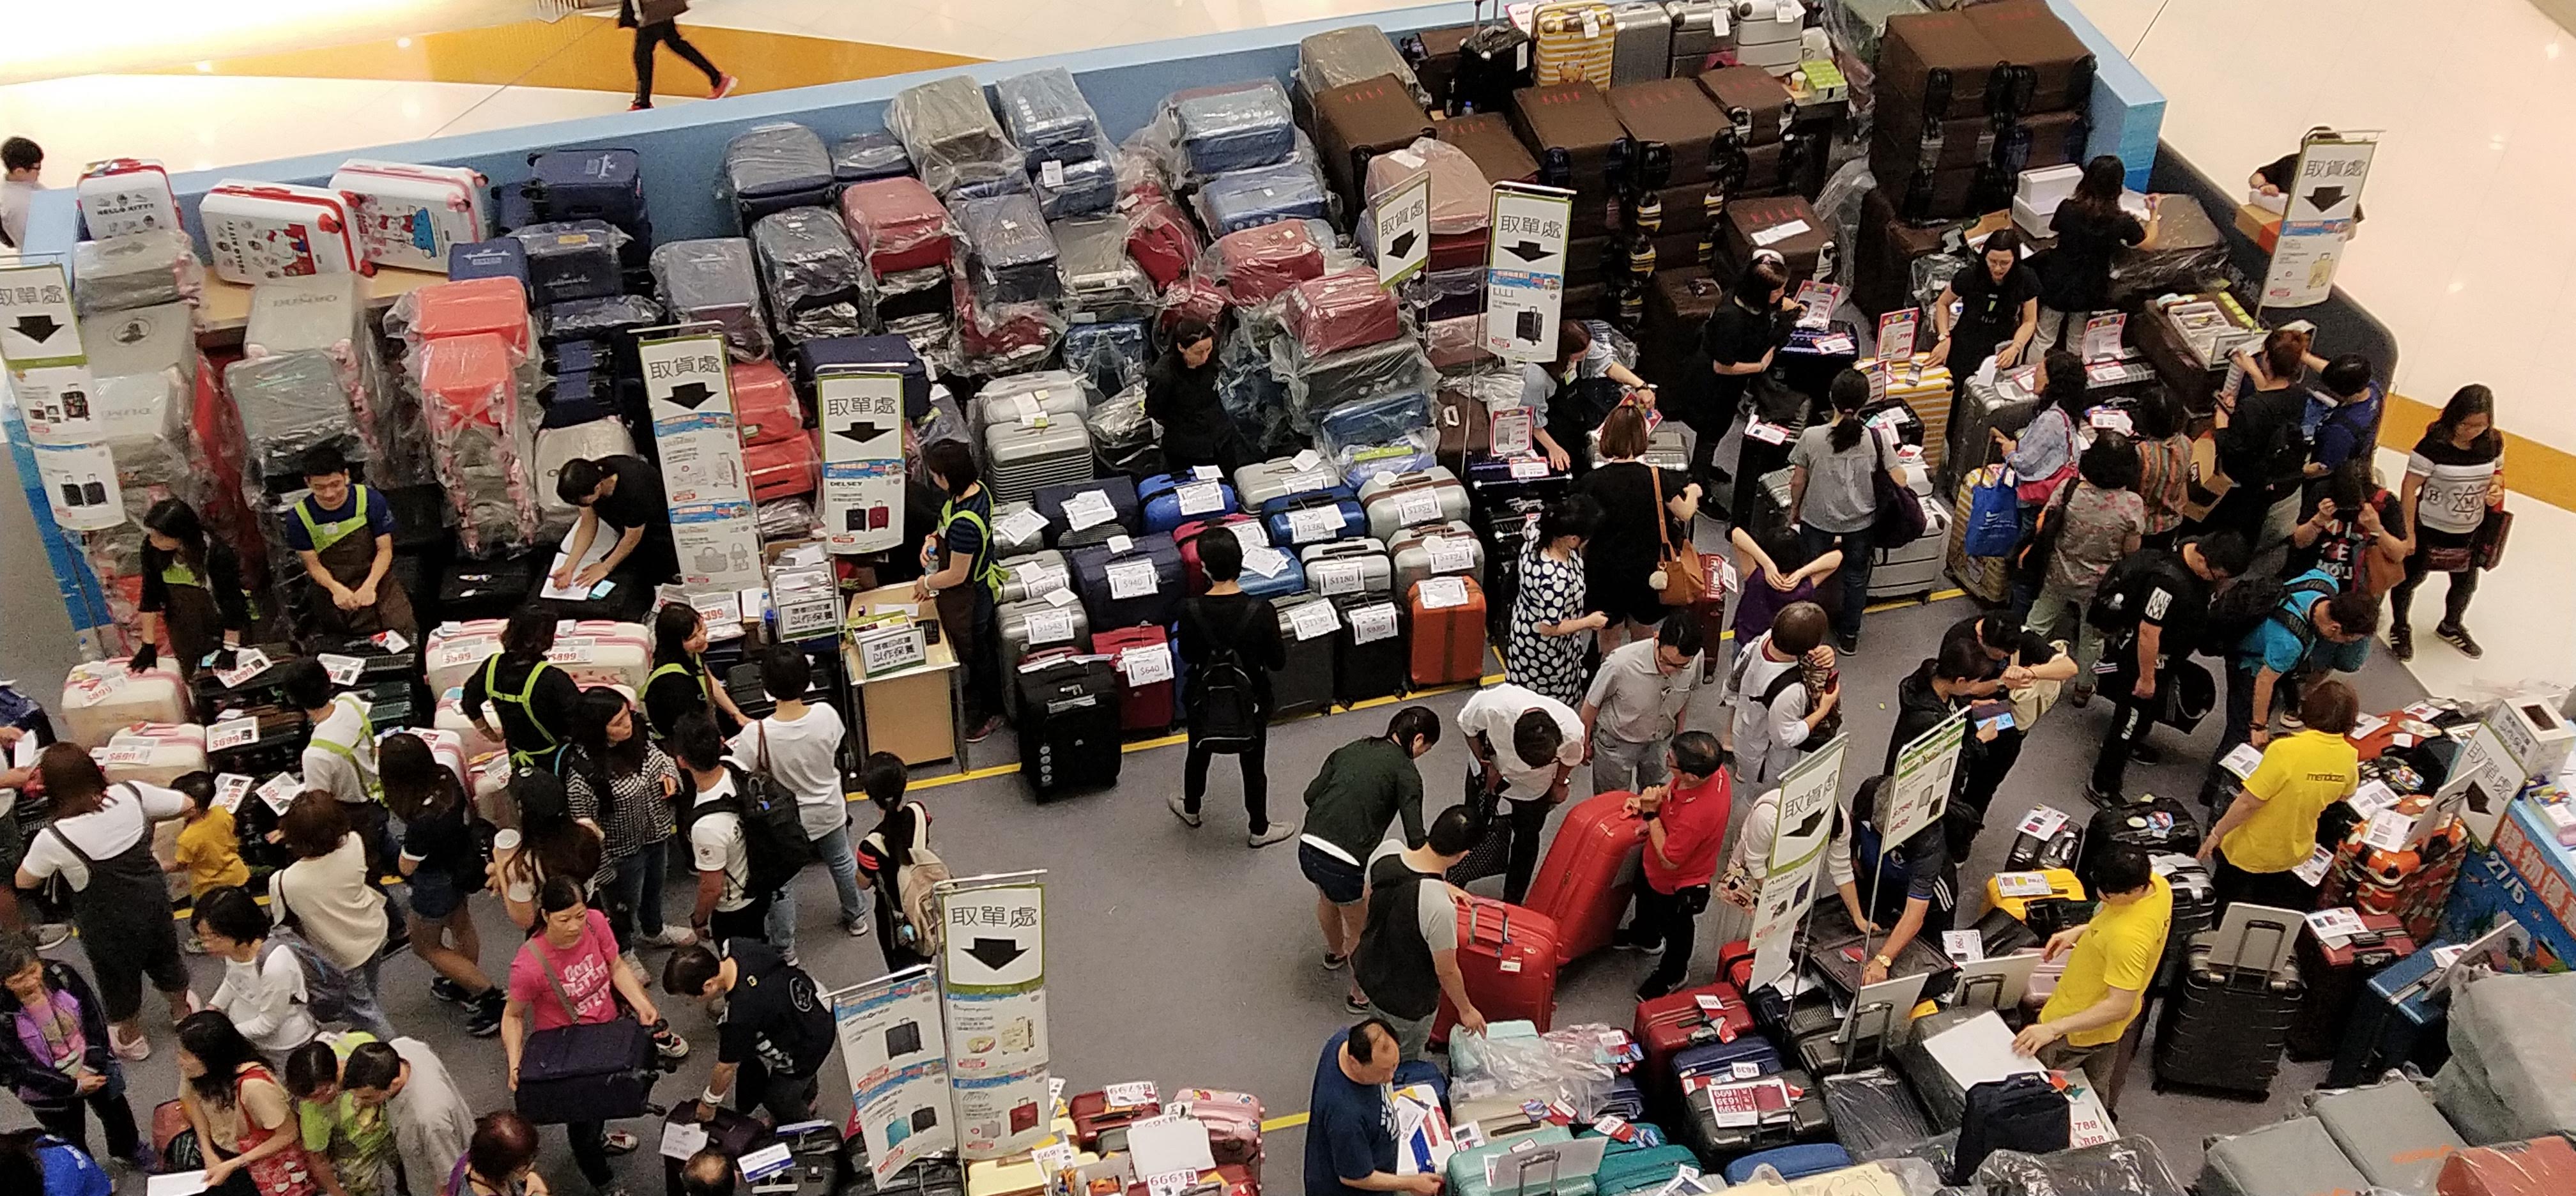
<point x="916" y="713"/>
<point x="227" y="304"/>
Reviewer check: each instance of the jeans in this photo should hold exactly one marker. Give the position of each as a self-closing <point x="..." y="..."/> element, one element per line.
<point x="366" y="1011"/>
<point x="2239" y="728"/>
<point x="1254" y="759"/>
<point x="1412" y="1035"/>
<point x="70" y="1121"/>
<point x="1858" y="559"/>
<point x="2050" y="615"/>
<point x="834" y="848"/>
<point x="1618" y="764"/>
<point x="1671" y="919"/>
<point x="635" y="894"/>
<point x="666" y="33"/>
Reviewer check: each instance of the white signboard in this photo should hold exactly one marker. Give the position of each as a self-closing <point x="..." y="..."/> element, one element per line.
<point x="37" y="325"/>
<point x="80" y="483"/>
<point x="1920" y="791"/>
<point x="993" y="991"/>
<point x="2324" y="201"/>
<point x="862" y="423"/>
<point x="1403" y="220"/>
<point x="688" y="389"/>
<point x="891" y="1042"/>
<point x="1807" y="799"/>
<point x="1525" y="271"/>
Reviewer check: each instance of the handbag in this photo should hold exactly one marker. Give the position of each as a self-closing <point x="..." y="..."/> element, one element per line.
<point x="1900" y="520"/>
<point x="2486" y="545"/>
<point x="2206" y="481"/>
<point x="1994" y="515"/>
<point x="654" y="12"/>
<point x="1492" y="853"/>
<point x="1685" y="579"/>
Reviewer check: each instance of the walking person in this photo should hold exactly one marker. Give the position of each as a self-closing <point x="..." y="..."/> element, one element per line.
<point x="325" y="895"/>
<point x="192" y="587"/>
<point x="2151" y="608"/>
<point x="1524" y="745"/>
<point x="1684" y="829"/>
<point x="1544" y="649"/>
<point x="774" y="1030"/>
<point x="570" y="973"/>
<point x="531" y="698"/>
<point x="2454" y="484"/>
<point x="442" y="861"/>
<point x="245" y="1121"/>
<point x="1833" y="496"/>
<point x="1635" y="704"/>
<point x="1180" y="393"/>
<point x="900" y="841"/>
<point x="726" y="906"/>
<point x="2270" y="829"/>
<point x="2099" y="520"/>
<point x="623" y="784"/>
<point x="99" y="841"/>
<point x="799" y="746"/>
<point x="2164" y="465"/>
<point x="57" y="1059"/>
<point x="1643" y="507"/>
<point x="548" y="842"/>
<point x="657" y="22"/>
<point x="499" y="1160"/>
<point x="1365" y="787"/>
<point x="962" y="576"/>
<point x="1407" y="959"/>
<point x="1230" y="644"/>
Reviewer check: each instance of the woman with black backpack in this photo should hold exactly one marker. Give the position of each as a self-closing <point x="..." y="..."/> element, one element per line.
<point x="1231" y="643"/>
<point x="443" y="858"/>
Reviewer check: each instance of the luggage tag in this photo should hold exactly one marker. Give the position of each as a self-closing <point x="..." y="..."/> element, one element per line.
<point x="230" y="789"/>
<point x="247" y="663"/>
<point x="2337" y="926"/>
<point x="1560" y="1112"/>
<point x="2043" y="822"/>
<point x="2020" y="884"/>
<point x="1133" y="1094"/>
<point x="682" y="1139"/>
<point x="1091" y="508"/>
<point x="2372" y="797"/>
<point x="1615" y="1128"/>
<point x="1469" y="1135"/>
<point x="232" y="733"/>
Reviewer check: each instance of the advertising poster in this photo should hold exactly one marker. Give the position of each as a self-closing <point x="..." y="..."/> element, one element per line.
<point x="1920" y="791"/>
<point x="1808" y="793"/>
<point x="993" y="996"/>
<point x="2324" y="203"/>
<point x="1525" y="271"/>
<point x="892" y="1044"/>
<point x="688" y="390"/>
<point x="862" y="424"/>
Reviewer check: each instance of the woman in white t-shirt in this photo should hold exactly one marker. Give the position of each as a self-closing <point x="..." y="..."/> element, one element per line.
<point x="799" y="746"/>
<point x="2454" y="478"/>
<point x="265" y="997"/>
<point x="324" y="895"/>
<point x="100" y="843"/>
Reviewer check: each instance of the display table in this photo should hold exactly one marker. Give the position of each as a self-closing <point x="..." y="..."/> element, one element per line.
<point x="227" y="305"/>
<point x="916" y="712"/>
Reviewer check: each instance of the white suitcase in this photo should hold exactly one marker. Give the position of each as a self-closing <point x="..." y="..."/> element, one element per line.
<point x="410" y="216"/>
<point x="258" y="231"/>
<point x="127" y="195"/>
<point x="592" y="651"/>
<point x="101" y="698"/>
<point x="557" y="447"/>
<point x="153" y="753"/>
<point x="451" y="722"/>
<point x="1916" y="569"/>
<point x="445" y="746"/>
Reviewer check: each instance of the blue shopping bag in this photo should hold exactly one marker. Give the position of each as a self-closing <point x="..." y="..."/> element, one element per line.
<point x="1994" y="514"/>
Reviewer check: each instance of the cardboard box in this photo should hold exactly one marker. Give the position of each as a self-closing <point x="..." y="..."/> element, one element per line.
<point x="2263" y="225"/>
<point x="2491" y="890"/>
<point x="2526" y="843"/>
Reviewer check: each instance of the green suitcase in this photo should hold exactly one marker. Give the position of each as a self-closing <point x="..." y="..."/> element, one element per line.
<point x="1467" y="1170"/>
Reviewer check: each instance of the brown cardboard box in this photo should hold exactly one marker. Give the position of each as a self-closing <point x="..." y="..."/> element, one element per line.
<point x="2262" y="224"/>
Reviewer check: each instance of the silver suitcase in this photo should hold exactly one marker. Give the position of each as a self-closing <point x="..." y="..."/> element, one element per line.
<point x="1435" y="550"/>
<point x="1020" y="459"/>
<point x="1035" y="576"/>
<point x="1979" y="410"/>
<point x="1033" y="534"/>
<point x="1700" y="29"/>
<point x="1353" y="54"/>
<point x="1398" y="501"/>
<point x="1042" y="397"/>
<point x="1342" y="567"/>
<point x="1915" y="570"/>
<point x="1261" y="481"/>
<point x="2286" y="1158"/>
<point x="1643" y="48"/>
<point x="2391" y="1132"/>
<point x="1054" y="621"/>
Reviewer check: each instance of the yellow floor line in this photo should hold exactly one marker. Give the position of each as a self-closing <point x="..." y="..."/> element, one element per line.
<point x="1288" y="1121"/>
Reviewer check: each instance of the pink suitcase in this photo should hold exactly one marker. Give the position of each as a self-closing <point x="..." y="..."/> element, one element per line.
<point x="898" y="224"/>
<point x="126" y="195"/>
<point x="258" y="231"/>
<point x="1146" y="707"/>
<point x="1342" y="310"/>
<point x="410" y="216"/>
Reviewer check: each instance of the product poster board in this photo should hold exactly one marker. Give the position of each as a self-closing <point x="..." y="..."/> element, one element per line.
<point x="1919" y="793"/>
<point x="1403" y="221"/>
<point x="863" y="492"/>
<point x="689" y="393"/>
<point x="992" y="974"/>
<point x="894" y="1047"/>
<point x="1525" y="270"/>
<point x="2482" y="784"/>
<point x="38" y="327"/>
<point x="60" y="405"/>
<point x="2323" y="204"/>
<point x="1808" y="793"/>
<point x="1896" y="334"/>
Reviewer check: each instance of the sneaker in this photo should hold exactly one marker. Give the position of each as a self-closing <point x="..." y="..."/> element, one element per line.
<point x="1335" y="963"/>
<point x="1652" y="989"/>
<point x="621" y="1142"/>
<point x="52" y="934"/>
<point x="450" y="991"/>
<point x="670" y="936"/>
<point x="724" y="87"/>
<point x="635" y="962"/>
<point x="1622" y="942"/>
<point x="2401" y="642"/>
<point x="639" y="106"/>
<point x="2291" y="722"/>
<point x="1181" y="810"/>
<point x="856" y="928"/>
<point x="670" y="1045"/>
<point x="1275" y="832"/>
<point x="2103" y="798"/>
<point x="2079" y="694"/>
<point x="485" y="1021"/>
<point x="984" y="730"/>
<point x="1850" y="643"/>
<point x="1355" y="1003"/>
<point x="134" y="1050"/>
<point x="2457" y="636"/>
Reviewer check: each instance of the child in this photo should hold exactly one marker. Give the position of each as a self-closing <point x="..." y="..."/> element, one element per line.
<point x="209" y="848"/>
<point x="263" y="993"/>
<point x="54" y="1052"/>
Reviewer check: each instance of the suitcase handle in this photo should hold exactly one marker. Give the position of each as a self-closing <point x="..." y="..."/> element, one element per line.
<point x="1521" y="1169"/>
<point x="2245" y="935"/>
<point x="1968" y="991"/>
<point x="1852" y="1038"/>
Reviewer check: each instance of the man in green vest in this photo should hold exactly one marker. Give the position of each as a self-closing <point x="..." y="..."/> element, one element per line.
<point x="965" y="579"/>
<point x="344" y="532"/>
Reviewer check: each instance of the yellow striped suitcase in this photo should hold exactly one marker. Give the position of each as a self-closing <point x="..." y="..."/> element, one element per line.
<point x="1925" y="387"/>
<point x="1576" y="40"/>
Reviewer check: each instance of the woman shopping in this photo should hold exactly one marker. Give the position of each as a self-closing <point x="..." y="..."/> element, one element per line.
<point x="1739" y="884"/>
<point x="618" y="780"/>
<point x="2090" y="227"/>
<point x="680" y="684"/>
<point x="2454" y="485"/>
<point x="657" y="23"/>
<point x="1833" y="495"/>
<point x="1735" y="350"/>
<point x="1550" y="616"/>
<point x="1567" y="400"/>
<point x="899" y="844"/>
<point x="245" y="1121"/>
<point x="2093" y="523"/>
<point x="1643" y="507"/>
<point x="99" y="842"/>
<point x="570" y="973"/>
<point x="325" y="895"/>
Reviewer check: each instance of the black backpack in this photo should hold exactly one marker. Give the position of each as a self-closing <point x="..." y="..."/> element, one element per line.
<point x="2236" y="611"/>
<point x="2110" y="611"/>
<point x="1225" y="711"/>
<point x="773" y="834"/>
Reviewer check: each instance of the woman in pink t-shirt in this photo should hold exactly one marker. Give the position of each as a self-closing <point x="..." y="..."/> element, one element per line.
<point x="570" y="973"/>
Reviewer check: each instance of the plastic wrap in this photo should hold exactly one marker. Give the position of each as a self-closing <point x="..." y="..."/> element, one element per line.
<point x="1456" y="344"/>
<point x="1160" y="237"/>
<point x="1839" y="203"/>
<point x="1003" y="338"/>
<point x="1112" y="353"/>
<point x="494" y="305"/>
<point x="1875" y="1114"/>
<point x="898" y="224"/>
<point x="714" y="281"/>
<point x="1087" y="187"/>
<point x="933" y="337"/>
<point x="1254" y="398"/>
<point x="2508" y="1079"/>
<point x="579" y="259"/>
<point x="1353" y="54"/>
<point x="784" y="518"/>
<point x="1320" y="384"/>
<point x="1562" y="1065"/>
<point x="1342" y="310"/>
<point x="1011" y="256"/>
<point x="1262" y="195"/>
<point x="1122" y="433"/>
<point x="2541" y="1167"/>
<point x="1097" y="274"/>
<point x="1931" y="274"/>
<point x="142" y="269"/>
<point x="950" y="134"/>
<point x="2190" y="254"/>
<point x="289" y="403"/>
<point x="2126" y="1167"/>
<point x="860" y="157"/>
<point x="816" y="282"/>
<point x="1193" y="298"/>
<point x="774" y="161"/>
<point x="1233" y="127"/>
<point x="1461" y="200"/>
<point x="1013" y="183"/>
<point x="1386" y="419"/>
<point x="1257" y="265"/>
<point x="484" y="441"/>
<point x="596" y="319"/>
<point x="1047" y="117"/>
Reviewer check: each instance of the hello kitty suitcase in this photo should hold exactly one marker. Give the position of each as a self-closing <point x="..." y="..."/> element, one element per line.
<point x="101" y="698"/>
<point x="126" y="195"/>
<point x="410" y="216"/>
<point x="258" y="231"/>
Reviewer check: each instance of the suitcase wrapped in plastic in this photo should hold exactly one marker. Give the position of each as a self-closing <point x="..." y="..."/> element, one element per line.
<point x="782" y="469"/>
<point x="1352" y="54"/>
<point x="1002" y="338"/>
<point x="1357" y="121"/>
<point x="2535" y="1168"/>
<point x="1146" y="706"/>
<point x="310" y="366"/>
<point x="1249" y="198"/>
<point x="1113" y="356"/>
<point x="141" y="269"/>
<point x="596" y="319"/>
<point x="811" y="273"/>
<point x="1798" y="1162"/>
<point x="1085" y="188"/>
<point x="2284" y="1158"/>
<point x="1322" y="388"/>
<point x="572" y="260"/>
<point x="1447" y="632"/>
<point x="1261" y="263"/>
<point x="1068" y="723"/>
<point x="867" y="354"/>
<point x="2224" y="1027"/>
<point x="589" y="184"/>
<point x="1161" y="238"/>
<point x="1875" y="1114"/>
<point x="256" y="231"/>
<point x="1139" y="584"/>
<point x="1580" y="142"/>
<point x="1098" y="275"/>
<point x="951" y="135"/>
<point x="1088" y="511"/>
<point x="1233" y="126"/>
<point x="1508" y="957"/>
<point x="2390" y="1131"/>
<point x="1011" y="257"/>
<point x="2507" y="1078"/>
<point x="1342" y="310"/>
<point x="482" y="445"/>
<point x="500" y="257"/>
<point x="714" y="281"/>
<point x="410" y="216"/>
<point x="864" y="157"/>
<point x="1588" y="875"/>
<point x="483" y="305"/>
<point x="123" y="196"/>
<point x="2132" y="1166"/>
<point x="1047" y="117"/>
<point x="1461" y="198"/>
<point x="898" y="224"/>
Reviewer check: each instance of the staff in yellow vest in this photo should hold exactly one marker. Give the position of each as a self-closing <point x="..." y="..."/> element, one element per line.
<point x="340" y="758"/>
<point x="680" y="685"/>
<point x="192" y="588"/>
<point x="533" y="699"/>
<point x="965" y="579"/>
<point x="345" y="534"/>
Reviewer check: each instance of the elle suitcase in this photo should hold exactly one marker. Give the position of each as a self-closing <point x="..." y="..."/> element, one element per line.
<point x="1068" y="723"/>
<point x="1937" y="65"/>
<point x="1576" y="42"/>
<point x="1172" y="499"/>
<point x="2043" y="140"/>
<point x="1448" y="641"/>
<point x="2334" y="974"/>
<point x="1753" y="101"/>
<point x="586" y="1072"/>
<point x="1580" y="143"/>
<point x="1369" y="657"/>
<point x="1677" y="131"/>
<point x="1785" y="225"/>
<point x="1405" y="500"/>
<point x="126" y="195"/>
<point x="1349" y="568"/>
<point x="1507" y="956"/>
<point x="1436" y="550"/>
<point x="1642" y="42"/>
<point x="2052" y="69"/>
<point x="1034" y="576"/>
<point x="1589" y="872"/>
<point x="1138" y="584"/>
<point x="1304" y="685"/>
<point x="2287" y="1158"/>
<point x="1145" y="707"/>
<point x="1357" y="121"/>
<point x="2391" y="1132"/>
<point x="1489" y="138"/>
<point x="590" y="184"/>
<point x="1089" y="511"/>
<point x="259" y="231"/>
<point x="411" y="216"/>
<point x="2225" y="1027"/>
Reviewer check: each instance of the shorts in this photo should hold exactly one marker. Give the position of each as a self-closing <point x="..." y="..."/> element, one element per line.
<point x="434" y="895"/>
<point x="1340" y="880"/>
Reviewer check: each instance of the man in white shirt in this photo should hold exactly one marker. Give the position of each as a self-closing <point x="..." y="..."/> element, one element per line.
<point x="1773" y="718"/>
<point x="24" y="161"/>
<point x="1636" y="702"/>
<point x="1525" y="744"/>
<point x="799" y="746"/>
<point x="724" y="908"/>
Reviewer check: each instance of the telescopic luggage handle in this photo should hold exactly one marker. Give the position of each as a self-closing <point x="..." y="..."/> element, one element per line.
<point x="2244" y="935"/>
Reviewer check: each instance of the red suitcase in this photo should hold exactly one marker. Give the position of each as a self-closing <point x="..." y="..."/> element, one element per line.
<point x="2540" y="1167"/>
<point x="1588" y="874"/>
<point x="1186" y="538"/>
<point x="1507" y="955"/>
<point x="1447" y="645"/>
<point x="782" y="468"/>
<point x="898" y="224"/>
<point x="1342" y="310"/>
<point x="1146" y="707"/>
<point x="1093" y="1114"/>
<point x="2333" y="976"/>
<point x="1675" y="1022"/>
<point x="764" y="403"/>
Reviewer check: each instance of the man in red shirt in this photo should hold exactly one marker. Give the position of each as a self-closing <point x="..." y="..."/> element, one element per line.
<point x="1684" y="828"/>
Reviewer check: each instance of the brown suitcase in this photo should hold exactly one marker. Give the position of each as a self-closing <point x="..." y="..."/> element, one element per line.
<point x="1357" y="121"/>
<point x="1580" y="143"/>
<point x="2044" y="139"/>
<point x="1585" y="302"/>
<point x="1466" y="428"/>
<point x="2052" y="68"/>
<point x="1595" y="214"/>
<point x="1675" y="250"/>
<point x="1935" y="195"/>
<point x="1766" y="169"/>
<point x="1883" y="262"/>
<point x="1937" y="64"/>
<point x="1434" y="55"/>
<point x="1590" y="259"/>
<point x="1678" y="210"/>
<point x="1809" y="252"/>
<point x="1677" y="130"/>
<point x="1448" y="644"/>
<point x="1491" y="141"/>
<point x="1958" y="144"/>
<point x="1755" y="103"/>
<point x="1678" y="303"/>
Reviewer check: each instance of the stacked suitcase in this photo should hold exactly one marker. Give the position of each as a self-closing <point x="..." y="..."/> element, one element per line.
<point x="1579" y="145"/>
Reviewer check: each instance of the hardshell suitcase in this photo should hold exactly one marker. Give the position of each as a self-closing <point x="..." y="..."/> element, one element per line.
<point x="886" y="354"/>
<point x="1803" y="1117"/>
<point x="1246" y="531"/>
<point x="1670" y="1024"/>
<point x="1068" y="723"/>
<point x="1494" y="60"/>
<point x="1242" y="199"/>
<point x="1588" y="875"/>
<point x="1580" y="142"/>
<point x="812" y="275"/>
<point x="1369" y="659"/>
<point x="1094" y="1116"/>
<point x="1642" y="47"/>
<point x="1234" y="126"/>
<point x="1304" y="685"/>
<point x="1490" y="140"/>
<point x="1676" y="130"/>
<point x="1508" y="957"/>
<point x="1169" y="500"/>
<point x="898" y="224"/>
<point x="1875" y="1115"/>
<point x="2052" y="69"/>
<point x="1349" y="567"/>
<point x="500" y="257"/>
<point x="1436" y="550"/>
<point x="1937" y="64"/>
<point x="2285" y="1158"/>
<point x="571" y="260"/>
<point x="1753" y="101"/>
<point x="1145" y="707"/>
<point x="2224" y="1027"/>
<point x="1272" y="573"/>
<point x="2391" y="1132"/>
<point x="411" y="216"/>
<point x="861" y="157"/>
<point x="127" y="195"/>
<point x="2540" y="1167"/>
<point x="1047" y="117"/>
<point x="1089" y="511"/>
<point x="1357" y="121"/>
<point x="1041" y="621"/>
<point x="1405" y="500"/>
<point x="1448" y="642"/>
<point x="1315" y="517"/>
<point x="2396" y="1020"/>
<point x="589" y="184"/>
<point x="1466" y="1170"/>
<point x="2334" y="975"/>
<point x="2152" y="824"/>
<point x="1352" y="54"/>
<point x="1034" y="576"/>
<point x="257" y="231"/>
<point x="714" y="281"/>
<point x="1576" y="41"/>
<point x="587" y="1071"/>
<point x="1794" y="1163"/>
<point x="1138" y="583"/>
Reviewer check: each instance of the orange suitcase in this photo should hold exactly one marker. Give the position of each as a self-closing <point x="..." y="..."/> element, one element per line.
<point x="1590" y="870"/>
<point x="1448" y="643"/>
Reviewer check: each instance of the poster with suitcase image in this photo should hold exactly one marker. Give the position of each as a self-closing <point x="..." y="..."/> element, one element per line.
<point x="992" y="978"/>
<point x="689" y="393"/>
<point x="2324" y="205"/>
<point x="1808" y="793"/>
<point x="897" y="1058"/>
<point x="80" y="482"/>
<point x="1525" y="271"/>
<point x="862" y="425"/>
<point x="57" y="401"/>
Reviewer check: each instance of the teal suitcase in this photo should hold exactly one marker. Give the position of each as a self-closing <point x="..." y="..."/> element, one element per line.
<point x="1467" y="1170"/>
<point x="1626" y="1169"/>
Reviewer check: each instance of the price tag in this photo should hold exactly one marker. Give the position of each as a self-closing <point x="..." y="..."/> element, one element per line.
<point x="1509" y="431"/>
<point x="1524" y="468"/>
<point x="247" y="663"/>
<point x="2022" y="884"/>
<point x="2373" y="797"/>
<point x="1746" y="1069"/>
<point x="1199" y="498"/>
<point x="2242" y="760"/>
<point x="1146" y="665"/>
<point x="1370" y="624"/>
<point x="2314" y="871"/>
<point x="342" y="670"/>
<point x="1441" y="593"/>
<point x="1888" y="420"/>
<point x="123" y="755"/>
<point x="1055" y="1089"/>
<point x="1050" y="626"/>
<point x="1419" y="506"/>
<point x="280" y="791"/>
<point x="2363" y="726"/>
<point x="451" y="656"/>
<point x="1060" y="598"/>
<point x="2340" y="922"/>
<point x="1021" y="526"/>
<point x="1132" y="579"/>
<point x="1451" y="554"/>
<point x="1963" y="945"/>
<point x="2387" y="830"/>
<point x="1735" y="1107"/>
<point x="393" y="642"/>
<point x="2043" y="822"/>
<point x="1091" y="508"/>
<point x="1314" y="619"/>
<point x="1053" y="1157"/>
<point x="2448" y="953"/>
<point x="1614" y="1128"/>
<point x="230" y="789"/>
<point x="231" y="733"/>
<point x="1132" y="1094"/>
<point x="1120" y="544"/>
<point x="682" y="1139"/>
<point x="1305" y="460"/>
<point x="766" y="1161"/>
<point x="1470" y="1136"/>
<point x="1265" y="560"/>
<point x="1335" y="577"/>
<point x="1314" y="524"/>
<point x="1051" y="174"/>
<point x="1767" y="433"/>
<point x="1248" y="534"/>
<point x="2110" y="420"/>
<point x="1040" y="578"/>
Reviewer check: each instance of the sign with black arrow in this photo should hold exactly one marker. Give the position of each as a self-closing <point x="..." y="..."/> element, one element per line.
<point x="992" y="991"/>
<point x="2322" y="210"/>
<point x="1525" y="270"/>
<point x="688" y="390"/>
<point x="996" y="936"/>
<point x="1808" y="793"/>
<point x="1403" y="220"/>
<point x="861" y="414"/>
<point x="37" y="325"/>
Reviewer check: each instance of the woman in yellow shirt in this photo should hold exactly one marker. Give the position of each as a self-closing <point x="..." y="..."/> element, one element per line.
<point x="2271" y="828"/>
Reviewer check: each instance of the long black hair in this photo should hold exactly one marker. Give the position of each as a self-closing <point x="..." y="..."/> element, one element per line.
<point x="20" y="1169"/>
<point x="2097" y="194"/>
<point x="603" y="762"/>
<point x="174" y="518"/>
<point x="2064" y="386"/>
<point x="672" y="627"/>
<point x="416" y="784"/>
<point x="1849" y="392"/>
<point x="211" y="1038"/>
<point x="2472" y="399"/>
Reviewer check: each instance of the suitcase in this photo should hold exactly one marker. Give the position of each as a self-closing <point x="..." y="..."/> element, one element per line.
<point x="1146" y="707"/>
<point x="1011" y="255"/>
<point x="1678" y="305"/>
<point x="2293" y="1156"/>
<point x="1635" y="1168"/>
<point x="1448" y="643"/>
<point x="1588" y="875"/>
<point x="1047" y="117"/>
<point x="2152" y="824"/>
<point x="1357" y="568"/>
<point x="1752" y="224"/>
<point x="258" y="231"/>
<point x="1508" y="957"/>
<point x="1304" y="685"/>
<point x="1432" y="55"/>
<point x="1436" y="550"/>
<point x="589" y="184"/>
<point x="812" y="275"/>
<point x="1934" y="195"/>
<point x="1575" y="42"/>
<point x="2391" y="1133"/>
<point x="1135" y="585"/>
<point x="1804" y="1118"/>
<point x="1915" y="569"/>
<point x="1753" y="101"/>
<point x="714" y="282"/>
<point x="103" y="698"/>
<point x="1353" y="54"/>
<point x="1034" y="576"/>
<point x="1342" y="310"/>
<point x="1039" y="622"/>
<point x="1107" y="507"/>
<point x="864" y="157"/>
<point x="1792" y="1162"/>
<point x="2043" y="140"/>
<point x="1094" y="1116"/>
<point x="1580" y="142"/>
<point x="1642" y="42"/>
<point x="865" y="354"/>
<point x="1237" y="200"/>
<point x="2052" y="69"/>
<point x="588" y="1071"/>
<point x="898" y="224"/>
<point x="1314" y="517"/>
<point x="2023" y="1113"/>
<point x="1021" y="459"/>
<point x="1405" y="500"/>
<point x="1875" y="1115"/>
<point x="1466" y="1169"/>
<point x="1014" y="536"/>
<point x="2540" y="1167"/>
<point x="411" y="216"/>
<point x="1369" y="656"/>
<point x="1677" y="132"/>
<point x="1960" y="144"/>
<point x="2334" y="975"/>
<point x="1675" y="1022"/>
<point x="2224" y="1028"/>
<point x="1234" y="126"/>
<point x="1491" y="139"/>
<point x="1246" y="531"/>
<point x="1172" y="499"/>
<point x="122" y="196"/>
<point x="574" y="260"/>
<point x="1357" y="121"/>
<point x="1494" y="60"/>
<point x="500" y="257"/>
<point x="1937" y="64"/>
<point x="1068" y="723"/>
<point x="1272" y="573"/>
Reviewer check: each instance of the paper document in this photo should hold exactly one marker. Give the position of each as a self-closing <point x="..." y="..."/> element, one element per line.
<point x="181" y="1183"/>
<point x="1978" y="1050"/>
<point x="601" y="544"/>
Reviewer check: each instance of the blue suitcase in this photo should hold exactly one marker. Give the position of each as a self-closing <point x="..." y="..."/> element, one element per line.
<point x="1119" y="489"/>
<point x="1047" y="116"/>
<point x="774" y="167"/>
<point x="1626" y="1099"/>
<point x="1245" y="125"/>
<point x="595" y="319"/>
<point x="1164" y="502"/>
<point x="590" y="184"/>
<point x="2395" y="1020"/>
<point x="1157" y="607"/>
<point x="864" y="157"/>
<point x="1288" y="576"/>
<point x="1721" y="1058"/>
<point x="1244" y="199"/>
<point x="500" y="257"/>
<point x="1290" y="527"/>
<point x="579" y="397"/>
<point x="868" y="354"/>
<point x="514" y="206"/>
<point x="573" y="357"/>
<point x="1792" y="1162"/>
<point x="577" y="259"/>
<point x="1085" y="188"/>
<point x="1112" y="353"/>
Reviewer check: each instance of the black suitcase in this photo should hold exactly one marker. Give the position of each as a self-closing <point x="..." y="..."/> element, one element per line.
<point x="1678" y="305"/>
<point x="599" y="1071"/>
<point x="485" y="589"/>
<point x="1805" y="1120"/>
<point x="1305" y="684"/>
<point x="2030" y="853"/>
<point x="2025" y="1113"/>
<point x="2225" y="1028"/>
<point x="730" y="1134"/>
<point x="1493" y="62"/>
<point x="1875" y="1114"/>
<point x="209" y="694"/>
<point x="2334" y="980"/>
<point x="1069" y="732"/>
<point x="1377" y="668"/>
<point x="2152" y="824"/>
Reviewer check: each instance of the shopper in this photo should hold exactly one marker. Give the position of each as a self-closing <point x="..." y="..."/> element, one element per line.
<point x="1350" y="1129"/>
<point x="680" y="684"/>
<point x="1998" y="311"/>
<point x="2110" y="961"/>
<point x="1180" y="393"/>
<point x="617" y="780"/>
<point x="799" y="746"/>
<point x="1769" y="585"/>
<point x="208" y="849"/>
<point x="2341" y="422"/>
<point x="99" y="841"/>
<point x="442" y="860"/>
<point x="2354" y="530"/>
<point x="500" y="1159"/>
<point x="2270" y="829"/>
<point x="344" y="533"/>
<point x="1567" y="399"/>
<point x="549" y="842"/>
<point x="1407" y="960"/>
<point x="245" y="1121"/>
<point x="1230" y="645"/>
<point x="2098" y="520"/>
<point x="570" y="972"/>
<point x="1932" y="694"/>
<point x="1736" y="347"/>
<point x="2042" y="456"/>
<point x="1365" y="786"/>
<point x="1684" y="830"/>
<point x="1931" y="877"/>
<point x="620" y="497"/>
<point x="340" y="757"/>
<point x="966" y="583"/>
<point x="431" y="1121"/>
<point x="2020" y="669"/>
<point x="2164" y="465"/>
<point x="1775" y="717"/>
<point x="1524" y="746"/>
<point x="2090" y="226"/>
<point x="2260" y="447"/>
<point x="22" y="164"/>
<point x="325" y="894"/>
<point x="1749" y="865"/>
<point x="56" y="1057"/>
<point x="192" y="587"/>
<point x="727" y="906"/>
<point x="774" y="1030"/>
<point x="1551" y="617"/>
<point x="33" y="1160"/>
<point x="900" y="841"/>
<point x="532" y="700"/>
<point x="1635" y="704"/>
<point x="1643" y="507"/>
<point x="2454" y="484"/>
<point x="2314" y="629"/>
<point x="1833" y="496"/>
<point x="657" y="22"/>
<point x="263" y="991"/>
<point x="708" y="1173"/>
<point x="2150" y="610"/>
<point x="349" y="1146"/>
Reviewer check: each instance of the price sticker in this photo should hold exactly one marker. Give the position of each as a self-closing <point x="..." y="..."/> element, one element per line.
<point x="1061" y="598"/>
<point x="2043" y="822"/>
<point x="1091" y="508"/>
<point x="766" y="1161"/>
<point x="1314" y="619"/>
<point x="682" y="1139"/>
<point x="342" y="670"/>
<point x="1419" y="506"/>
<point x="2314" y="870"/>
<point x="1131" y="1095"/>
<point x="2022" y="884"/>
<point x="1119" y="545"/>
<point x="1051" y="174"/>
<point x="1146" y="665"/>
<point x="280" y="791"/>
<point x="2341" y="922"/>
<point x="1265" y="560"/>
<point x="2242" y="760"/>
<point x="1021" y="526"/>
<point x="1053" y="1158"/>
<point x="1041" y="577"/>
<point x="1050" y="627"/>
<point x="1132" y="579"/>
<point x="237" y="732"/>
<point x="230" y="789"/>
<point x="1451" y="554"/>
<point x="393" y="642"/>
<point x="1767" y="433"/>
<point x="2448" y="953"/>
<point x="1370" y="624"/>
<point x="1524" y="468"/>
<point x="2110" y="419"/>
<point x="1199" y="498"/>
<point x="1441" y="593"/>
<point x="1336" y="577"/>
<point x="247" y="663"/>
<point x="1314" y="524"/>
